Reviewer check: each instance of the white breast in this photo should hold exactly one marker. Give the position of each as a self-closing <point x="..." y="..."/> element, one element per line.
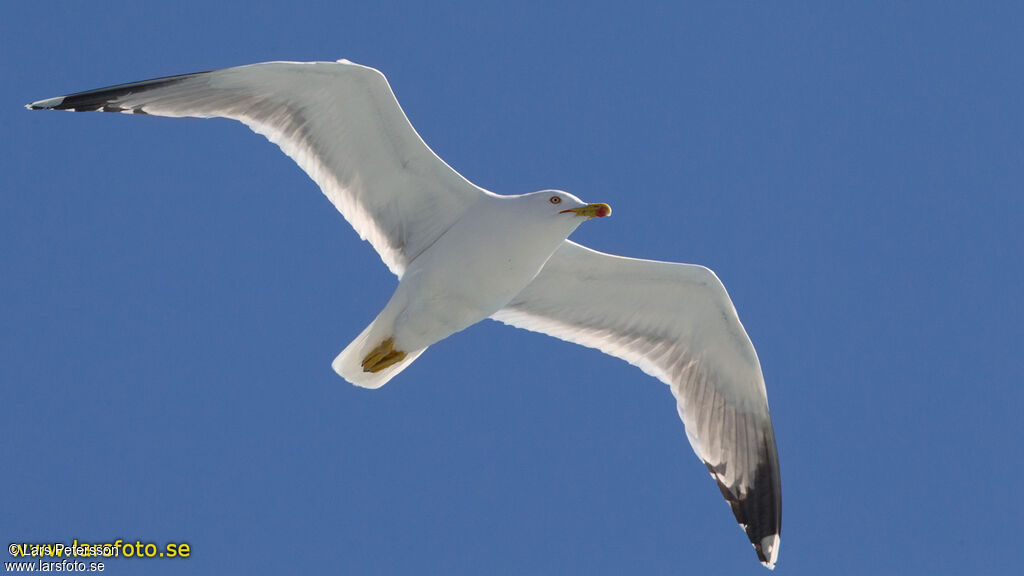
<point x="483" y="261"/>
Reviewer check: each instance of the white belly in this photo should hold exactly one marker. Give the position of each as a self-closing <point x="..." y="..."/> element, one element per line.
<point x="471" y="272"/>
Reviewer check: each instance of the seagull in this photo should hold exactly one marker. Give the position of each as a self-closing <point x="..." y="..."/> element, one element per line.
<point x="463" y="254"/>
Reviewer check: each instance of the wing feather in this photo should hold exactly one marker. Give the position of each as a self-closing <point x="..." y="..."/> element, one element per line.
<point x="341" y="124"/>
<point x="676" y="323"/>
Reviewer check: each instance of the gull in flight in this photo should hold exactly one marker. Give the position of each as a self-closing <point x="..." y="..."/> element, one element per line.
<point x="463" y="254"/>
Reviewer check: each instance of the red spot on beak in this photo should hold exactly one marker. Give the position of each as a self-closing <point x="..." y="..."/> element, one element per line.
<point x="590" y="211"/>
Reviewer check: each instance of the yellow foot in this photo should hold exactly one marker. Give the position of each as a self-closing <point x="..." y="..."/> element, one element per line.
<point x="382" y="356"/>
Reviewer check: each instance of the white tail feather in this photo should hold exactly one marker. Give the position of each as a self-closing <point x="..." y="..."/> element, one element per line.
<point x="349" y="364"/>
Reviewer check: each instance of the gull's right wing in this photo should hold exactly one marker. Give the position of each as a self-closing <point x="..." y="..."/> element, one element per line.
<point x="676" y="323"/>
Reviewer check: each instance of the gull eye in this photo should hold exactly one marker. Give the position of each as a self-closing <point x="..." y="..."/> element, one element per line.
<point x="555" y="200"/>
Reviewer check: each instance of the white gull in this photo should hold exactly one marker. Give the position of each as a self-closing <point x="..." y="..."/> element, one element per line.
<point x="463" y="254"/>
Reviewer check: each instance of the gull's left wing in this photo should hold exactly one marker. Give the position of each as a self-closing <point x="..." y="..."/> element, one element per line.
<point x="339" y="121"/>
<point x="676" y="323"/>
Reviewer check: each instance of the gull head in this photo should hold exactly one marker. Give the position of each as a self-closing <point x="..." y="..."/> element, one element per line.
<point x="562" y="205"/>
<point x="528" y="225"/>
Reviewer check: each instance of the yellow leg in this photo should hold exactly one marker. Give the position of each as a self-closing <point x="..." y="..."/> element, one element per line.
<point x="382" y="356"/>
<point x="377" y="353"/>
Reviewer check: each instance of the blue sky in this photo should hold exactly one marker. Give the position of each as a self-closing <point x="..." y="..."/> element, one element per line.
<point x="172" y="292"/>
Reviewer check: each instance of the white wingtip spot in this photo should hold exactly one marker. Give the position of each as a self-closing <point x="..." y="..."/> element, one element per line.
<point x="770" y="545"/>
<point x="48" y="103"/>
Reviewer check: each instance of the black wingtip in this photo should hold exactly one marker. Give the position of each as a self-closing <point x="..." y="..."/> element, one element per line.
<point x="759" y="509"/>
<point x="757" y="514"/>
<point x="105" y="99"/>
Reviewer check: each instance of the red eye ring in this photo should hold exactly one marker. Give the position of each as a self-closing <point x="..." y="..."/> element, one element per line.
<point x="555" y="200"/>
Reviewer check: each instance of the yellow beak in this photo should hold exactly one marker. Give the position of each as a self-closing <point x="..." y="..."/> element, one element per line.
<point x="599" y="210"/>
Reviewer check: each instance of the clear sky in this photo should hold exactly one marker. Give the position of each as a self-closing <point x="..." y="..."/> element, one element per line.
<point x="172" y="292"/>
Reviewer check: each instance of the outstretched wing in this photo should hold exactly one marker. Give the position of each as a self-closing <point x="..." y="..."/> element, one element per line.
<point x="676" y="323"/>
<point x="339" y="121"/>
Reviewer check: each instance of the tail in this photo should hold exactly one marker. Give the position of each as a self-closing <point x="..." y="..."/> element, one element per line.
<point x="349" y="364"/>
